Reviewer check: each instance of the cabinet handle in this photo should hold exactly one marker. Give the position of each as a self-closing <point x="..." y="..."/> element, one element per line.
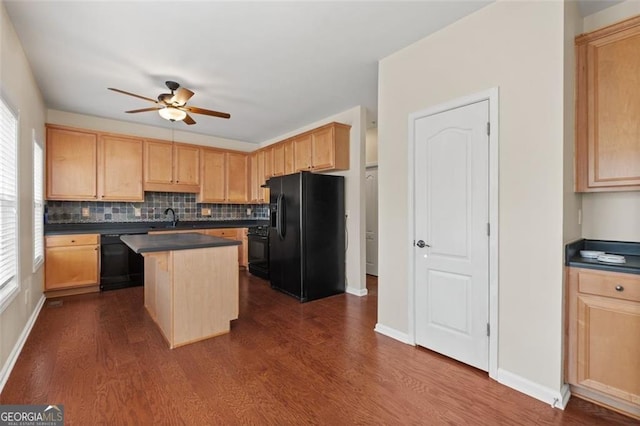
<point x="73" y="241"/>
<point x="619" y="288"/>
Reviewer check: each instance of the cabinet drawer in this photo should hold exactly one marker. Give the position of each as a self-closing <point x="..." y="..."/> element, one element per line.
<point x="72" y="240"/>
<point x="223" y="233"/>
<point x="610" y="284"/>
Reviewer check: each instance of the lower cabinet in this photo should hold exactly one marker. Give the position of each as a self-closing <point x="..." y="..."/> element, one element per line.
<point x="603" y="335"/>
<point x="238" y="234"/>
<point x="72" y="264"/>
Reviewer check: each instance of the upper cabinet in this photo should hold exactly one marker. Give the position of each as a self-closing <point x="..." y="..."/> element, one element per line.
<point x="324" y="148"/>
<point x="93" y="166"/>
<point x="72" y="161"/>
<point x="607" y="108"/>
<point x="225" y="177"/>
<point x="120" y="170"/>
<point x="171" y="167"/>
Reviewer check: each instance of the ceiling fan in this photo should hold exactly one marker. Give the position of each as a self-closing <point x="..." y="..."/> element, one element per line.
<point x="173" y="106"/>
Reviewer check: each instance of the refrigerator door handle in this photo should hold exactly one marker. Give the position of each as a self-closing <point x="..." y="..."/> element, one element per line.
<point x="280" y="218"/>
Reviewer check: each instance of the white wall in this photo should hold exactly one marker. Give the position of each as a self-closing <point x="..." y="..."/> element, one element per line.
<point x="127" y="128"/>
<point x="611" y="215"/>
<point x="19" y="89"/>
<point x="354" y="192"/>
<point x="371" y="150"/>
<point x="517" y="46"/>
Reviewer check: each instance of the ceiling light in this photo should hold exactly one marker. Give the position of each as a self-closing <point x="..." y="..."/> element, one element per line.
<point x="172" y="114"/>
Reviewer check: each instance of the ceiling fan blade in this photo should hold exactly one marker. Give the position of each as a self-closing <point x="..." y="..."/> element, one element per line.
<point x="197" y="110"/>
<point x="188" y="120"/>
<point x="144" y="110"/>
<point x="132" y="94"/>
<point x="182" y="96"/>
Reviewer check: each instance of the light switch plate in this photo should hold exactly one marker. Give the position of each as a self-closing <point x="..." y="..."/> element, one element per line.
<point x="136" y="212"/>
<point x="205" y="212"/>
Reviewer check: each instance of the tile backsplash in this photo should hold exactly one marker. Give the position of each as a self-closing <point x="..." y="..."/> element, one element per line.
<point x="152" y="209"/>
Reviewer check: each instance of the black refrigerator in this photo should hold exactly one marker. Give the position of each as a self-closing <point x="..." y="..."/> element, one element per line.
<point x="307" y="235"/>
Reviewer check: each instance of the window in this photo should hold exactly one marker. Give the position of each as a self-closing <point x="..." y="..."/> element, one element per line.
<point x="8" y="203"/>
<point x="38" y="204"/>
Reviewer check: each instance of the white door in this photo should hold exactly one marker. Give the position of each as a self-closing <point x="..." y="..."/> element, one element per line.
<point x="371" y="182"/>
<point x="451" y="199"/>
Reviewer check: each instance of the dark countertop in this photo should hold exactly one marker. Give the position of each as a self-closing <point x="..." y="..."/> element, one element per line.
<point x="168" y="242"/>
<point x="631" y="252"/>
<point x="144" y="227"/>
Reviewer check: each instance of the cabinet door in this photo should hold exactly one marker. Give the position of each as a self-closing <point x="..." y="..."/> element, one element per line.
<point x="289" y="157"/>
<point x="158" y="163"/>
<point x="73" y="266"/>
<point x="254" y="177"/>
<point x="72" y="160"/>
<point x="212" y="189"/>
<point x="278" y="159"/>
<point x="322" y="148"/>
<point x="120" y="169"/>
<point x="608" y="346"/>
<point x="302" y="156"/>
<point x="186" y="165"/>
<point x="268" y="163"/>
<point x="237" y="177"/>
<point x="608" y="107"/>
<point x="262" y="192"/>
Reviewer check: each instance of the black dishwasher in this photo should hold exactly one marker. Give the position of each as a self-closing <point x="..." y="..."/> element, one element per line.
<point x="120" y="267"/>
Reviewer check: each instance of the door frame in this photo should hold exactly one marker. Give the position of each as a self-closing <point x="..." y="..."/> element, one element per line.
<point x="491" y="95"/>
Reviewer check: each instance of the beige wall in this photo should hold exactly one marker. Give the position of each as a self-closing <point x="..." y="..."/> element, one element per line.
<point x="518" y="47"/>
<point x="128" y="128"/>
<point x="572" y="229"/>
<point x="611" y="215"/>
<point x="371" y="150"/>
<point x="21" y="92"/>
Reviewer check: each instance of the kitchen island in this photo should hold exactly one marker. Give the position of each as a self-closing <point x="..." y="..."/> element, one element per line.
<point x="190" y="284"/>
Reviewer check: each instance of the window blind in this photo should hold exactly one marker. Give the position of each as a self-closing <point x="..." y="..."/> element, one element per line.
<point x="38" y="205"/>
<point x="8" y="195"/>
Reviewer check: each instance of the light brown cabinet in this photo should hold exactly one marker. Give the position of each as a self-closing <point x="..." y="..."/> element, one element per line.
<point x="603" y="329"/>
<point x="237" y="177"/>
<point x="224" y="177"/>
<point x="72" y="263"/>
<point x="278" y="159"/>
<point x="85" y="165"/>
<point x="120" y="169"/>
<point x="607" y="108"/>
<point x="257" y="177"/>
<point x="238" y="234"/>
<point x="72" y="162"/>
<point x="171" y="167"/>
<point x="289" y="157"/>
<point x="324" y="148"/>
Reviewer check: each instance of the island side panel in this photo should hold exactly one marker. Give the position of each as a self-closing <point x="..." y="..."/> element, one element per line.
<point x="157" y="291"/>
<point x="205" y="292"/>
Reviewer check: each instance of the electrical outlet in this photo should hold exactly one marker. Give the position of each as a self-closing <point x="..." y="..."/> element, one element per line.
<point x="205" y="212"/>
<point x="137" y="212"/>
<point x="85" y="212"/>
<point x="249" y="212"/>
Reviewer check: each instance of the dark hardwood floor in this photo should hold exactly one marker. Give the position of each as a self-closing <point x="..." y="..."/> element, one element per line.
<point x="283" y="363"/>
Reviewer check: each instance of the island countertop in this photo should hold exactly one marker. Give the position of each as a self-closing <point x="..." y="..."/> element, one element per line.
<point x="168" y="242"/>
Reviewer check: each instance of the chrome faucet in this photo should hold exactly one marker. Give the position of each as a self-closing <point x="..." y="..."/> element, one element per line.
<point x="175" y="219"/>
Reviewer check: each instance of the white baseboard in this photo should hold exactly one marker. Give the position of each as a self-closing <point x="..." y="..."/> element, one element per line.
<point x="17" y="348"/>
<point x="357" y="291"/>
<point x="556" y="399"/>
<point x="394" y="334"/>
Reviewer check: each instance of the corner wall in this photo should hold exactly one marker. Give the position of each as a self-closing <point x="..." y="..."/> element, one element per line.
<point x="19" y="89"/>
<point x="518" y="47"/>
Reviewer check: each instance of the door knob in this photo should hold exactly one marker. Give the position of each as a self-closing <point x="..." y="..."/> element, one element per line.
<point x="422" y="244"/>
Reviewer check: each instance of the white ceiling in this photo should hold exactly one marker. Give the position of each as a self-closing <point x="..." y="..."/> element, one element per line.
<point x="274" y="66"/>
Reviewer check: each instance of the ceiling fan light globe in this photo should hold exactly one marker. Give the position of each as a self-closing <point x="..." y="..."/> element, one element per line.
<point x="172" y="114"/>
